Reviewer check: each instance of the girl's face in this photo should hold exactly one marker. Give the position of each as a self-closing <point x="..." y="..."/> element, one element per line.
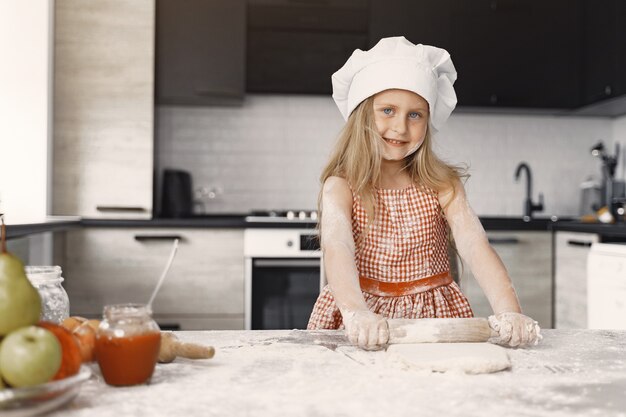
<point x="401" y="118"/>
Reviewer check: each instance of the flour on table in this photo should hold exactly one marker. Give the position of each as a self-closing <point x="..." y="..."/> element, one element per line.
<point x="471" y="358"/>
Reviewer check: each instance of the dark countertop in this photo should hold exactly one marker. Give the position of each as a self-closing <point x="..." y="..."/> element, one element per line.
<point x="616" y="230"/>
<point x="50" y="224"/>
<point x="238" y="221"/>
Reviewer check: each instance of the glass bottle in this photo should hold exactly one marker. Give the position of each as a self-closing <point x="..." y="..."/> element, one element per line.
<point x="127" y="344"/>
<point x="55" y="304"/>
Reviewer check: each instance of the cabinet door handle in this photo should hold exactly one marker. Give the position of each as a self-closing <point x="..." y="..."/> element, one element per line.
<point x="583" y="243"/>
<point x="127" y="209"/>
<point x="146" y="238"/>
<point x="503" y="240"/>
<point x="287" y="263"/>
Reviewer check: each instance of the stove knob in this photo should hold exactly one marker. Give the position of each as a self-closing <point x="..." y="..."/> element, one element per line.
<point x="314" y="215"/>
<point x="291" y="215"/>
<point x="302" y="215"/>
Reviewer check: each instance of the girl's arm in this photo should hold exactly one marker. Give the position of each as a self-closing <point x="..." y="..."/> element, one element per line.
<point x="473" y="246"/>
<point x="363" y="327"/>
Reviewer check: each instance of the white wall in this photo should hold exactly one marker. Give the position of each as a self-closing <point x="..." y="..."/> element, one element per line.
<point x="25" y="91"/>
<point x="268" y="154"/>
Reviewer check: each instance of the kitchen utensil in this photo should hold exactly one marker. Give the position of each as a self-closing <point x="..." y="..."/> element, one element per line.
<point x="177" y="194"/>
<point x="439" y="330"/>
<point x="619" y="209"/>
<point x="590" y="196"/>
<point x="164" y="273"/>
<point x="172" y="347"/>
<point x="609" y="163"/>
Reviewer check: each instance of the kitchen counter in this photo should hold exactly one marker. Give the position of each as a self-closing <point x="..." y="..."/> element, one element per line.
<point x="49" y="224"/>
<point x="239" y="221"/>
<point x="616" y="230"/>
<point x="269" y="373"/>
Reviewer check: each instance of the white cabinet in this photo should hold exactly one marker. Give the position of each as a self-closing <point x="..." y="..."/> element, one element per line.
<point x="103" y="108"/>
<point x="527" y="257"/>
<point x="204" y="288"/>
<point x="571" y="253"/>
<point x="606" y="286"/>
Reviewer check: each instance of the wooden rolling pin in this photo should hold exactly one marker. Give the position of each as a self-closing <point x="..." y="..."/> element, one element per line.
<point x="439" y="330"/>
<point x="171" y="348"/>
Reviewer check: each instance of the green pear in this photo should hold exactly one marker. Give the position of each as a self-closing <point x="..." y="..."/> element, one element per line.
<point x="20" y="304"/>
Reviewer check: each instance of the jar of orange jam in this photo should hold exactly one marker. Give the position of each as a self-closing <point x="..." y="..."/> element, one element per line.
<point x="127" y="344"/>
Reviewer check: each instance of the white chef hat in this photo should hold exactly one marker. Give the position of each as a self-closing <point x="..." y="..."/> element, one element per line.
<point x="397" y="63"/>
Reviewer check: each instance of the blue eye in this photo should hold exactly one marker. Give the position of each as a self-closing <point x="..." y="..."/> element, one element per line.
<point x="387" y="111"/>
<point x="414" y="115"/>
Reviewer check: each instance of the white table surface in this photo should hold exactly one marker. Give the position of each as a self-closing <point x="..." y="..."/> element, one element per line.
<point x="288" y="373"/>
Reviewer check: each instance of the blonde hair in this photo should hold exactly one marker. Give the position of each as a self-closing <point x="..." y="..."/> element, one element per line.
<point x="357" y="157"/>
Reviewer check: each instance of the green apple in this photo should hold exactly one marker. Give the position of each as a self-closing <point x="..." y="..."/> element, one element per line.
<point x="29" y="356"/>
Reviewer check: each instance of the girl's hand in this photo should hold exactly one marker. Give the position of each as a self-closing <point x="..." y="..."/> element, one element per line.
<point x="366" y="329"/>
<point x="514" y="330"/>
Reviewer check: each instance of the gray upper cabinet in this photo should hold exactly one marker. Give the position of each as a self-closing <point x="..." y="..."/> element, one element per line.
<point x="200" y="51"/>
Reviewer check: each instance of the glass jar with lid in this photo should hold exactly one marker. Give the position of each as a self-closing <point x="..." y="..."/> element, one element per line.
<point x="127" y="344"/>
<point x="55" y="304"/>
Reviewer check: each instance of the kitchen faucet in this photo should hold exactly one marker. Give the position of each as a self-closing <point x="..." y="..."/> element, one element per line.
<point x="529" y="206"/>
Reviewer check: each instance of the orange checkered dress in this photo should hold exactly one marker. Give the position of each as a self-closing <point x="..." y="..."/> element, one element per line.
<point x="407" y="242"/>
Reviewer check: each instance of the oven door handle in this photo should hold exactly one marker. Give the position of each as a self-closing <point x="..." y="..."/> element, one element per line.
<point x="286" y="263"/>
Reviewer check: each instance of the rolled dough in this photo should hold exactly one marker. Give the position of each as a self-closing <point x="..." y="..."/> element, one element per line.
<point x="471" y="358"/>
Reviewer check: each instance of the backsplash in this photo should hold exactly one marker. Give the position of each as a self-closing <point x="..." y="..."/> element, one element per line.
<point x="268" y="153"/>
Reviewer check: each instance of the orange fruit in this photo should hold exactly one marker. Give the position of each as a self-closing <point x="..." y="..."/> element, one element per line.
<point x="73" y="322"/>
<point x="71" y="355"/>
<point x="85" y="333"/>
<point x="86" y="336"/>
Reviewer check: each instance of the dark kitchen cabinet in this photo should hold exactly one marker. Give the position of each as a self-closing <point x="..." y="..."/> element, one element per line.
<point x="605" y="50"/>
<point x="508" y="53"/>
<point x="200" y="51"/>
<point x="295" y="47"/>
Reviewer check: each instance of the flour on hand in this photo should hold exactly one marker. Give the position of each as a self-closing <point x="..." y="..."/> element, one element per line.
<point x="514" y="330"/>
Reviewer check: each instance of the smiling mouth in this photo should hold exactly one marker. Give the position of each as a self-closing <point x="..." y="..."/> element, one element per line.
<point x="394" y="142"/>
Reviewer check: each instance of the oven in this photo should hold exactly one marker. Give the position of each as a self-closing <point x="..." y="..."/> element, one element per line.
<point x="283" y="277"/>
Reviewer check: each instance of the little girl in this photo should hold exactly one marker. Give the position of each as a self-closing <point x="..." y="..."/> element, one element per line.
<point x="388" y="203"/>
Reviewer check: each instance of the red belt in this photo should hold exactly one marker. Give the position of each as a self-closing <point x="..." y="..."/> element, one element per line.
<point x="397" y="289"/>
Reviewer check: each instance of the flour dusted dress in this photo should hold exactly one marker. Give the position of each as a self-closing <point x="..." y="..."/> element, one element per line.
<point x="403" y="263"/>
